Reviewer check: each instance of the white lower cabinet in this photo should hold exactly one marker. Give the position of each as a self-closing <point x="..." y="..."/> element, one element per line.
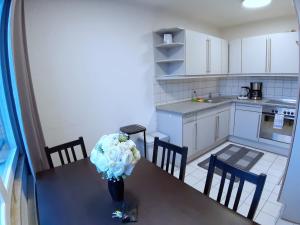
<point x="223" y="124"/>
<point x="206" y="132"/>
<point x="189" y="134"/>
<point x="246" y="124"/>
<point x="198" y="131"/>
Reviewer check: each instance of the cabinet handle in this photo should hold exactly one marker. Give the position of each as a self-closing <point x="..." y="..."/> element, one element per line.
<point x="209" y="44"/>
<point x="207" y="56"/>
<point x="267" y="56"/>
<point x="228" y="58"/>
<point x="258" y="126"/>
<point x="217" y="128"/>
<point x="270" y="55"/>
<point x="242" y="56"/>
<point x="196" y="143"/>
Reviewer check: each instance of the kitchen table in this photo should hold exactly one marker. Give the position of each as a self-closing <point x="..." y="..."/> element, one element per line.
<point x="75" y="194"/>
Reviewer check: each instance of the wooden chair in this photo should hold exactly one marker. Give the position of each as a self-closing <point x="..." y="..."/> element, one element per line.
<point x="134" y="129"/>
<point x="242" y="176"/>
<point x="175" y="150"/>
<point x="64" y="147"/>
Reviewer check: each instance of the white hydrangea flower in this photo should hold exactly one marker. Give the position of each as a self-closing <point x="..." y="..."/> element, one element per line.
<point x="114" y="156"/>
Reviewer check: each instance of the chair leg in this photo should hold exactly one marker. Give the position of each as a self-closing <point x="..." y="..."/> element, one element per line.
<point x="145" y="145"/>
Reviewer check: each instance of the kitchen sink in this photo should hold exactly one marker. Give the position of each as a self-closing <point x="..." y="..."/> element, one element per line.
<point x="216" y="100"/>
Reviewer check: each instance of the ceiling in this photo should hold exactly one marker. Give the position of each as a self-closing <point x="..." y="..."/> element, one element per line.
<point x="223" y="13"/>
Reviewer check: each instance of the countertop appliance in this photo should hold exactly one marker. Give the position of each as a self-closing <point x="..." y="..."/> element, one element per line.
<point x="256" y="90"/>
<point x="283" y="133"/>
<point x="245" y="93"/>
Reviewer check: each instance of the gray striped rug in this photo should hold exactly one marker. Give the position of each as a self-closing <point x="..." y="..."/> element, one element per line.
<point x="239" y="157"/>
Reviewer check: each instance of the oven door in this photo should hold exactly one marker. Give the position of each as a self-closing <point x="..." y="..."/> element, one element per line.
<point x="281" y="135"/>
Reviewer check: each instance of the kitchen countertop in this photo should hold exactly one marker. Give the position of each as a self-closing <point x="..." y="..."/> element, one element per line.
<point x="186" y="107"/>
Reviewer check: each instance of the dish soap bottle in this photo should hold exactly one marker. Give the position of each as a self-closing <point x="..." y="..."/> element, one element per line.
<point x="194" y="96"/>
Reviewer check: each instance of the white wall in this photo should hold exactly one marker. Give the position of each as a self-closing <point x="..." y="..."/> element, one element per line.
<point x="92" y="65"/>
<point x="283" y="24"/>
<point x="290" y="194"/>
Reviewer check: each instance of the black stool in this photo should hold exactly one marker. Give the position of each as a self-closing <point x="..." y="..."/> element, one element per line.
<point x="134" y="129"/>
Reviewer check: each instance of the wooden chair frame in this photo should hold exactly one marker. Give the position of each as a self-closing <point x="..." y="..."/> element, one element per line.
<point x="170" y="148"/>
<point x="65" y="147"/>
<point x="258" y="180"/>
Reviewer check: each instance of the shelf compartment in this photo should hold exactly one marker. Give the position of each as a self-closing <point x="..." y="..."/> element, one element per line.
<point x="169" y="30"/>
<point x="170" y="68"/>
<point x="171" y="45"/>
<point x="169" y="60"/>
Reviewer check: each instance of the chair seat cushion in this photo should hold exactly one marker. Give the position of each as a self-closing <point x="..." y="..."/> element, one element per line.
<point x="133" y="129"/>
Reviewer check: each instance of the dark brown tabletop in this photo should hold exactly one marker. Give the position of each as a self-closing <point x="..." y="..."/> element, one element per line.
<point x="75" y="194"/>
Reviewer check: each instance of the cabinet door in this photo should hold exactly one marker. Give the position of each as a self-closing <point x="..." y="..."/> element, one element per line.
<point x="247" y="124"/>
<point x="195" y="53"/>
<point x="284" y="53"/>
<point x="189" y="136"/>
<point x="214" y="53"/>
<point x="235" y="56"/>
<point x="206" y="132"/>
<point x="223" y="120"/>
<point x="254" y="55"/>
<point x="224" y="56"/>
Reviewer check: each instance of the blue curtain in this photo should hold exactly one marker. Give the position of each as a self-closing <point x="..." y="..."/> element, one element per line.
<point x="8" y="79"/>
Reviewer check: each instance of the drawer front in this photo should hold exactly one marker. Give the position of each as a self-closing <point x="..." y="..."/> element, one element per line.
<point x="251" y="108"/>
<point x="189" y="118"/>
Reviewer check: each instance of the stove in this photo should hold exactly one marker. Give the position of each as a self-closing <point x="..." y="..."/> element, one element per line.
<point x="279" y="134"/>
<point x="281" y="110"/>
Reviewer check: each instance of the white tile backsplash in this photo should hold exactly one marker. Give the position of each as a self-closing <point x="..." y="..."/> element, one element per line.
<point x="169" y="91"/>
<point x="179" y="90"/>
<point x="277" y="88"/>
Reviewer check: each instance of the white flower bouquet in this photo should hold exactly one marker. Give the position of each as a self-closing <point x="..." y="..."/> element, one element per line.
<point x="115" y="156"/>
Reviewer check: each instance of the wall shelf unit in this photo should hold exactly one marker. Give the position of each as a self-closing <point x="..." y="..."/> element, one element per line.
<point x="169" y="57"/>
<point x="185" y="77"/>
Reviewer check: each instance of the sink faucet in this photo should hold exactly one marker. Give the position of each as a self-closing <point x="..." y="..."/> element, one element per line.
<point x="194" y="94"/>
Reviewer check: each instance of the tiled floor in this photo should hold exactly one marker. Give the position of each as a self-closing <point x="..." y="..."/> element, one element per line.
<point x="269" y="209"/>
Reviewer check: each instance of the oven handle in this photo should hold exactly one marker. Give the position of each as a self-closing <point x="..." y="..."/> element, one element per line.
<point x="273" y="114"/>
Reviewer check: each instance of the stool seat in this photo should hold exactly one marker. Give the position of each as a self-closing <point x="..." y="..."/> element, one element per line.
<point x="132" y="129"/>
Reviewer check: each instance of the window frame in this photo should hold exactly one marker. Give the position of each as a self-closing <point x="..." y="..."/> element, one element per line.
<point x="10" y="114"/>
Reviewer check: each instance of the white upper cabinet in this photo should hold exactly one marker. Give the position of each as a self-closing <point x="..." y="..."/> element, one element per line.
<point x="192" y="53"/>
<point x="254" y="55"/>
<point x="214" y="55"/>
<point x="235" y="56"/>
<point x="283" y="53"/>
<point x="224" y="56"/>
<point x="205" y="54"/>
<point x="195" y="53"/>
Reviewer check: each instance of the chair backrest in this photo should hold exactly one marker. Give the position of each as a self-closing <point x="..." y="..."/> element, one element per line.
<point x="241" y="176"/>
<point x="65" y="147"/>
<point x="168" y="148"/>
